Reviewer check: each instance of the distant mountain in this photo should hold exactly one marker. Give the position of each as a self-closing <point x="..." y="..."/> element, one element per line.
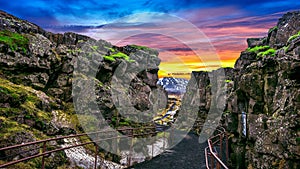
<point x="173" y="85"/>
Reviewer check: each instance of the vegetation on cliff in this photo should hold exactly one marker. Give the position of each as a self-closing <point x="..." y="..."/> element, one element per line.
<point x="14" y="40"/>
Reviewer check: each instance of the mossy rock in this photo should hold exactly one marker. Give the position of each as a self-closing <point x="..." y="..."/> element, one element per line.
<point x="269" y="52"/>
<point x="257" y="49"/>
<point x="275" y="28"/>
<point x="14" y="40"/>
<point x="140" y="47"/>
<point x="294" y="36"/>
<point x="117" y="55"/>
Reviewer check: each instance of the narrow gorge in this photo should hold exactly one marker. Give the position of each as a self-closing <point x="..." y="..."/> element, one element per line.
<point x="264" y="85"/>
<point x="55" y="85"/>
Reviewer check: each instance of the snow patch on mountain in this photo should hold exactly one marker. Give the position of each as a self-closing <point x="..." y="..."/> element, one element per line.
<point x="173" y="85"/>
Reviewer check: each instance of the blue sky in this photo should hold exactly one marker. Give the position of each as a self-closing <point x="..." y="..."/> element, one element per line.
<point x="97" y="12"/>
<point x="226" y="24"/>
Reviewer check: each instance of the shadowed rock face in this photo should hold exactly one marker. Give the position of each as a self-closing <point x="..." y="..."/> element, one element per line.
<point x="266" y="86"/>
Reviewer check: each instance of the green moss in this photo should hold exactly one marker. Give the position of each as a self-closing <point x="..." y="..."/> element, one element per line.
<point x="262" y="51"/>
<point x="4" y="111"/>
<point x="57" y="56"/>
<point x="112" y="50"/>
<point x="294" y="36"/>
<point x="74" y="51"/>
<point x="117" y="55"/>
<point x="163" y="135"/>
<point x="120" y="55"/>
<point x="275" y="28"/>
<point x="14" y="40"/>
<point x="24" y="100"/>
<point x="89" y="121"/>
<point x="286" y="48"/>
<point x="131" y="60"/>
<point x="269" y="52"/>
<point x="140" y="47"/>
<point x="124" y="124"/>
<point x="257" y="49"/>
<point x="94" y="47"/>
<point x="109" y="58"/>
<point x="100" y="84"/>
<point x="227" y="112"/>
<point x="9" y="127"/>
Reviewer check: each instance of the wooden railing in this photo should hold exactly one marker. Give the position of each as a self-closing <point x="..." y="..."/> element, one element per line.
<point x="214" y="156"/>
<point x="45" y="152"/>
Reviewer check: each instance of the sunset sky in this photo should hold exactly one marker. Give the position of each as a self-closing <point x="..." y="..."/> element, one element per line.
<point x="191" y="35"/>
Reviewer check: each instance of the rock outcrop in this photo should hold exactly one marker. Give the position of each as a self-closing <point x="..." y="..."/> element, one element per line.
<point x="36" y="77"/>
<point x="264" y="84"/>
<point x="267" y="90"/>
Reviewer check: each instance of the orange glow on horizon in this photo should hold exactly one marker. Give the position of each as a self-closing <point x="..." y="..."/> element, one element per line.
<point x="186" y="66"/>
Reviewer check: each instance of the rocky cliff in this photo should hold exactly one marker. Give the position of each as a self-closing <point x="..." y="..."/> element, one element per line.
<point x="36" y="77"/>
<point x="264" y="84"/>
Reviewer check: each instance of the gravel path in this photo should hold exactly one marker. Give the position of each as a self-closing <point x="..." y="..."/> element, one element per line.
<point x="188" y="154"/>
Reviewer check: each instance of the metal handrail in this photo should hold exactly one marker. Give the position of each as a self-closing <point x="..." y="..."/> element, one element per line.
<point x="212" y="154"/>
<point x="69" y="136"/>
<point x="44" y="152"/>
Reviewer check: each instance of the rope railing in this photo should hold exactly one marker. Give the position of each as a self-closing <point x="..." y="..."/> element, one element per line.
<point x="213" y="157"/>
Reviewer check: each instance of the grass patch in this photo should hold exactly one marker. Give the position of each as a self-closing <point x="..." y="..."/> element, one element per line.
<point x="294" y="36"/>
<point x="14" y="40"/>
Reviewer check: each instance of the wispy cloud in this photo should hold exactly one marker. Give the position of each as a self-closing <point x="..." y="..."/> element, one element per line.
<point x="201" y="31"/>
